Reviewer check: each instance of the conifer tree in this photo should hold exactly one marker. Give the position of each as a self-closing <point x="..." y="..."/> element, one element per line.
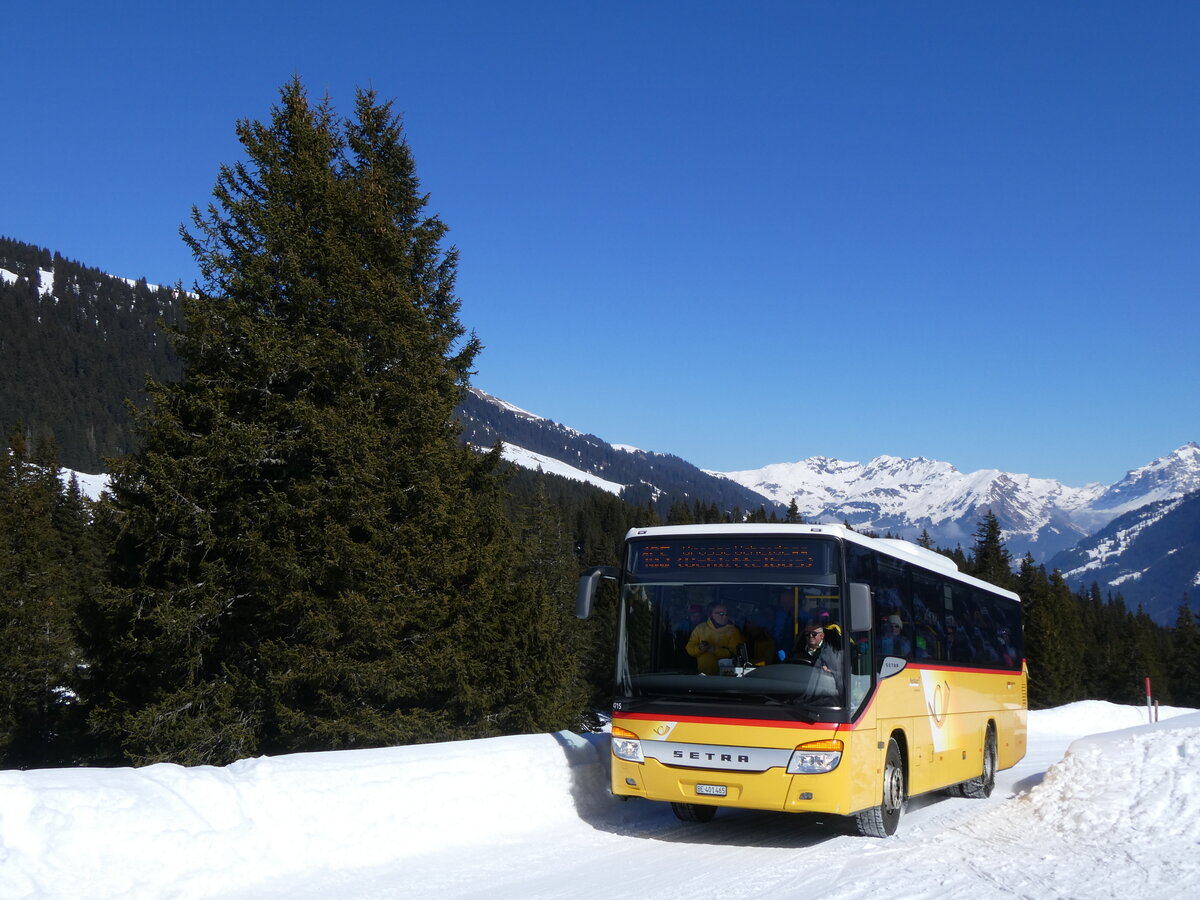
<point x="680" y="514"/>
<point x="1149" y="659"/>
<point x="992" y="561"/>
<point x="546" y="689"/>
<point x="41" y="582"/>
<point x="1110" y="659"/>
<point x="300" y="561"/>
<point x="1185" y="658"/>
<point x="1053" y="637"/>
<point x="959" y="557"/>
<point x="793" y="513"/>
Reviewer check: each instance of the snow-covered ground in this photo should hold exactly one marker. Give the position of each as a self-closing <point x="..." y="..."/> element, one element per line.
<point x="529" y="816"/>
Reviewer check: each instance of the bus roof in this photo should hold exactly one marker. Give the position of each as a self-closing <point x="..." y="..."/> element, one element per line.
<point x="894" y="547"/>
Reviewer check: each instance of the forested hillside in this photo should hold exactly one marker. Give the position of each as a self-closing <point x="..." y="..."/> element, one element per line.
<point x="76" y="345"/>
<point x="80" y="345"/>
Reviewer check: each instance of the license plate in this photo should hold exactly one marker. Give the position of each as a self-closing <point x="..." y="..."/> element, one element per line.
<point x="711" y="790"/>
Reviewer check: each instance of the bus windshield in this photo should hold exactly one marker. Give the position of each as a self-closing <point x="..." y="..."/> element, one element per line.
<point x="753" y="620"/>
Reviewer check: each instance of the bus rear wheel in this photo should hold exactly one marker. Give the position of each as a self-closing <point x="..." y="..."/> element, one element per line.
<point x="881" y="821"/>
<point x="693" y="812"/>
<point x="981" y="787"/>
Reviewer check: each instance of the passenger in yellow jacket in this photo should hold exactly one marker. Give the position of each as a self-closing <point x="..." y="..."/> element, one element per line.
<point x="714" y="639"/>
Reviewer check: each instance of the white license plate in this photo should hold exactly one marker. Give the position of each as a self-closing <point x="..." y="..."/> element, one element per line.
<point x="711" y="790"/>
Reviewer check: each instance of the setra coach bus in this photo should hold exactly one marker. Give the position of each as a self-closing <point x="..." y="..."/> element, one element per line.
<point x="919" y="682"/>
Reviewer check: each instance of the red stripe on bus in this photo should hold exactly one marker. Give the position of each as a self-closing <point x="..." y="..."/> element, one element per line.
<point x="948" y="667"/>
<point x="712" y="720"/>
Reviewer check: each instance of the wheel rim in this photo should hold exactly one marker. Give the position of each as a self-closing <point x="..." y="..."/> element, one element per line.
<point x="893" y="788"/>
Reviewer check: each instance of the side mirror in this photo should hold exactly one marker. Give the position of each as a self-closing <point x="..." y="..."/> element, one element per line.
<point x="588" y="582"/>
<point x="860" y="607"/>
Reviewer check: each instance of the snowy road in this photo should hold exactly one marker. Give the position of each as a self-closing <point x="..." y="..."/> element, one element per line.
<point x="946" y="847"/>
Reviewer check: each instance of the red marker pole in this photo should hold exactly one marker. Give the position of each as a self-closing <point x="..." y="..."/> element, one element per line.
<point x="1149" y="702"/>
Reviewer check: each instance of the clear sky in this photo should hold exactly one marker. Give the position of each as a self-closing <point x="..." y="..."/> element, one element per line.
<point x="739" y="232"/>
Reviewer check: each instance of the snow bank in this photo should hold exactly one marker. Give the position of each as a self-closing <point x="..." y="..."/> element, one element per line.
<point x="1094" y="717"/>
<point x="1140" y="786"/>
<point x="169" y="831"/>
<point x="1117" y="816"/>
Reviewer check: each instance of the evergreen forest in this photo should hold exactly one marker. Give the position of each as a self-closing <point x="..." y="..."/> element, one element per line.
<point x="297" y="550"/>
<point x="77" y="352"/>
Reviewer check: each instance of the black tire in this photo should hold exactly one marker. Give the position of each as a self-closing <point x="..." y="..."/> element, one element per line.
<point x="981" y="787"/>
<point x="881" y="821"/>
<point x="693" y="812"/>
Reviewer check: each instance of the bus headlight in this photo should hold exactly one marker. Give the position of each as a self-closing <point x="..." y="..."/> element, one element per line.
<point x="626" y="745"/>
<point x="815" y="758"/>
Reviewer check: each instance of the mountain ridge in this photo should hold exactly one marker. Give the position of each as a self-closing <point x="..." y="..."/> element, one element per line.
<point x="905" y="497"/>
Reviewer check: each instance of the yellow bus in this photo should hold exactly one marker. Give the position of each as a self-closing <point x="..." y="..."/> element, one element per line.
<point x="846" y="675"/>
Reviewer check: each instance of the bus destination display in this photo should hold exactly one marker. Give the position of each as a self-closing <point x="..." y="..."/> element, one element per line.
<point x="773" y="556"/>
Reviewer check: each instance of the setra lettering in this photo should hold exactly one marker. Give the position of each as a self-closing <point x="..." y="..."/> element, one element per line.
<point x="710" y="756"/>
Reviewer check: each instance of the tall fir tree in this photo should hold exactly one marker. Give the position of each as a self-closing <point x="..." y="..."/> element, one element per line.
<point x="43" y="576"/>
<point x="302" y="558"/>
<point x="991" y="560"/>
<point x="548" y="645"/>
<point x="793" y="513"/>
<point x="1112" y="658"/>
<point x="1054" y="637"/>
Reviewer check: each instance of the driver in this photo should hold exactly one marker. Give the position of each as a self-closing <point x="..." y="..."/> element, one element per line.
<point x="817" y="652"/>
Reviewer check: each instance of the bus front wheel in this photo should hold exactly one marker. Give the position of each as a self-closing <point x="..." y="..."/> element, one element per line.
<point x="881" y="821"/>
<point x="693" y="812"/>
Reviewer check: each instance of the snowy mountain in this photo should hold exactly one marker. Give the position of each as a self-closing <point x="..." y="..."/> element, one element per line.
<point x="1150" y="555"/>
<point x="906" y="496"/>
<point x="637" y="476"/>
<point x="1166" y="478"/>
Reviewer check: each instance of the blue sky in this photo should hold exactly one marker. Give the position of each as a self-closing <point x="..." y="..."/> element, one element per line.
<point x="742" y="233"/>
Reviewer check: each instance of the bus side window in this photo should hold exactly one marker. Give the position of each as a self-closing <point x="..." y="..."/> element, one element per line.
<point x="893" y="609"/>
<point x="927" y="604"/>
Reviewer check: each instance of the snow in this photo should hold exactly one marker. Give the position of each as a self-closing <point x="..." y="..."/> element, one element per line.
<point x="1117" y="816"/>
<point x="527" y="459"/>
<point x="91" y="486"/>
<point x="916" y="489"/>
<point x="133" y="282"/>
<point x="1165" y="478"/>
<point x="45" y="280"/>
